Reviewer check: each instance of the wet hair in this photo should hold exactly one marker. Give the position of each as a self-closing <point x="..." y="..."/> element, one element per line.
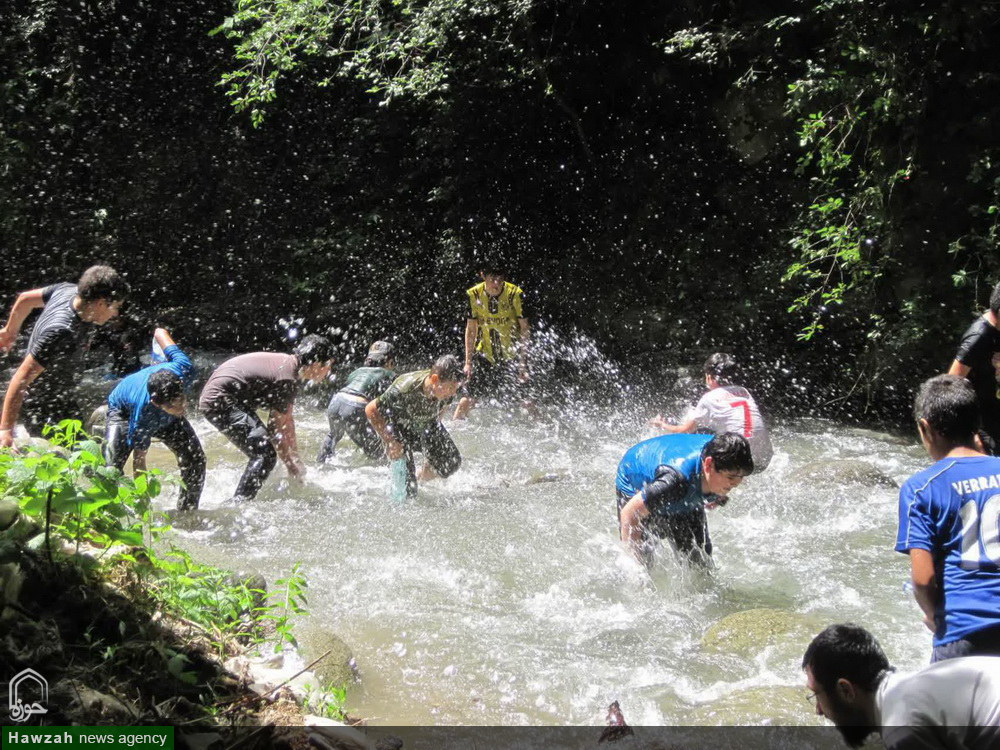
<point x="722" y="367"/>
<point x="492" y="267"/>
<point x="448" y="367"/>
<point x="995" y="300"/>
<point x="312" y="349"/>
<point x="102" y="282"/>
<point x="729" y="452"/>
<point x="948" y="403"/>
<point x="846" y="651"/>
<point x="164" y="387"/>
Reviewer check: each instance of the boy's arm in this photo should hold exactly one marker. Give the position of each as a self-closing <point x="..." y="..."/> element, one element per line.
<point x="138" y="461"/>
<point x="957" y="368"/>
<point x="393" y="448"/>
<point x="925" y="585"/>
<point x="23" y="377"/>
<point x="23" y="305"/>
<point x="523" y="344"/>
<point x="471" y="332"/>
<point x="282" y="426"/>
<point x="631" y="517"/>
<point x="176" y="355"/>
<point x="671" y="429"/>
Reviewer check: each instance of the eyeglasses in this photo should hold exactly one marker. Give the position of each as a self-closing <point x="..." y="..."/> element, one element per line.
<point x="813" y="696"/>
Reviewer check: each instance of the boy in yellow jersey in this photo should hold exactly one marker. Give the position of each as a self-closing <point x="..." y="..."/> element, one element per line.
<point x="496" y="339"/>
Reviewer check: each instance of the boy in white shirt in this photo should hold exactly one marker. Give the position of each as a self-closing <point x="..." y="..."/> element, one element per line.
<point x="725" y="408"/>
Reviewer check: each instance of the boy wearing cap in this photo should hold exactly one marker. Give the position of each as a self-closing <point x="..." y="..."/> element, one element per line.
<point x="346" y="411"/>
<point x="45" y="382"/>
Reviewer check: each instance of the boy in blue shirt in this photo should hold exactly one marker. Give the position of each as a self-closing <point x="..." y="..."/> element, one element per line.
<point x="949" y="523"/>
<point x="665" y="484"/>
<point x="151" y="403"/>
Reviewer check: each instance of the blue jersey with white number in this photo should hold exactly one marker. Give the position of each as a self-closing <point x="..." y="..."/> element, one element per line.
<point x="952" y="509"/>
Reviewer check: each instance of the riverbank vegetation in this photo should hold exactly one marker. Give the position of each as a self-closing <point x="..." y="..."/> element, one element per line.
<point x="811" y="184"/>
<point x="126" y="628"/>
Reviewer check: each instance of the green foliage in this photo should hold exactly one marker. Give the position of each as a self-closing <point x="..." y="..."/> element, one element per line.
<point x="397" y="48"/>
<point x="288" y="599"/>
<point x="330" y="702"/>
<point x="70" y="490"/>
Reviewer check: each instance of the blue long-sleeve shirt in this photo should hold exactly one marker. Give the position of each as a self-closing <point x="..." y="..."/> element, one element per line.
<point x="131" y="396"/>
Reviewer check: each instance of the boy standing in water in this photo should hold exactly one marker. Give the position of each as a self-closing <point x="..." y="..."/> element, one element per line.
<point x="44" y="385"/>
<point x="725" y="408"/>
<point x="151" y="403"/>
<point x="407" y="417"/>
<point x="949" y="524"/>
<point x="263" y="380"/>
<point x="346" y="411"/>
<point x="664" y="485"/>
<point x="496" y="339"/>
<point x="977" y="360"/>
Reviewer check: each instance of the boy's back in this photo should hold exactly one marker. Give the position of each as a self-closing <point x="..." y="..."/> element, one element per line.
<point x="952" y="509"/>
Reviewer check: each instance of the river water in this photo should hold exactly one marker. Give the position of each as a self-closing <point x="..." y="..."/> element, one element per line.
<point x="502" y="596"/>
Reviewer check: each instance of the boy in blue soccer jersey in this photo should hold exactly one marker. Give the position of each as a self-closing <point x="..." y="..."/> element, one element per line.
<point x="949" y="523"/>
<point x="151" y="403"/>
<point x="665" y="484"/>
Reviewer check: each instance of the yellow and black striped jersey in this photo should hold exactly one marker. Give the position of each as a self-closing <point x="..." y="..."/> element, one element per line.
<point x="498" y="320"/>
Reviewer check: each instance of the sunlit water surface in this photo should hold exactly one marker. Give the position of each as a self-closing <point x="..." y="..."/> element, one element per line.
<point x="496" y="598"/>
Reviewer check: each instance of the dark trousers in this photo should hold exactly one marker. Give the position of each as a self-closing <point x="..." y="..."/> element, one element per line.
<point x="435" y="443"/>
<point x="46" y="404"/>
<point x="985" y="642"/>
<point x="180" y="439"/>
<point x="248" y="433"/>
<point x="347" y="414"/>
<point x="687" y="533"/>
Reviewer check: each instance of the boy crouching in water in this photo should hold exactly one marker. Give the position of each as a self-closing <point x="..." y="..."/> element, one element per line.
<point x="407" y="417"/>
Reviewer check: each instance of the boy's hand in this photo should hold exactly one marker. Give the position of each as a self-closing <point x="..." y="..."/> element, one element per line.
<point x="468" y="370"/>
<point x="7" y="439"/>
<point x="659" y="422"/>
<point x="394" y="449"/>
<point x="297" y="470"/>
<point x="7" y="339"/>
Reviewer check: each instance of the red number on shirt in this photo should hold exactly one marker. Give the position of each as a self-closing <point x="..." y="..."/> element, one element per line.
<point x="747" y="422"/>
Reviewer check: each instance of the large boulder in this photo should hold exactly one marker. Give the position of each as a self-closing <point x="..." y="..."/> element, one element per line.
<point x="746" y="634"/>
<point x="840" y="472"/>
<point x="336" y="670"/>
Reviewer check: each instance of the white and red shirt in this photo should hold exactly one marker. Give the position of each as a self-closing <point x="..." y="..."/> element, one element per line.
<point x="731" y="408"/>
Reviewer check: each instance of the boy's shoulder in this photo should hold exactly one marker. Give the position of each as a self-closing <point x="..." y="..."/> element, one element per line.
<point x="948" y="470"/>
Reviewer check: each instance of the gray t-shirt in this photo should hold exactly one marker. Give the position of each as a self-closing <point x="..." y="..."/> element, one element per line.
<point x="951" y="704"/>
<point x="58" y="335"/>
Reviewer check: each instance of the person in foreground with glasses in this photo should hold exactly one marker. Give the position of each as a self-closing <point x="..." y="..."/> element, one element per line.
<point x="664" y="485"/>
<point x="951" y="704"/>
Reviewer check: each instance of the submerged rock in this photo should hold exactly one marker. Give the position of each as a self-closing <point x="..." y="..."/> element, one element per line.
<point x="336" y="670"/>
<point x="780" y="705"/>
<point x="838" y="472"/>
<point x="747" y="633"/>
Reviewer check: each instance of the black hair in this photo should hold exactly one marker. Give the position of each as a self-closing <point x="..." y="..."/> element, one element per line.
<point x="995" y="300"/>
<point x="846" y="651"/>
<point x="492" y="267"/>
<point x="164" y="387"/>
<point x="722" y="367"/>
<point x="102" y="282"/>
<point x="729" y="451"/>
<point x="948" y="403"/>
<point x="312" y="349"/>
<point x="448" y="367"/>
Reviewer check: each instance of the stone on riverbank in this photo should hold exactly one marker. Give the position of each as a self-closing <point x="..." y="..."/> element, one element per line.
<point x="336" y="670"/>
